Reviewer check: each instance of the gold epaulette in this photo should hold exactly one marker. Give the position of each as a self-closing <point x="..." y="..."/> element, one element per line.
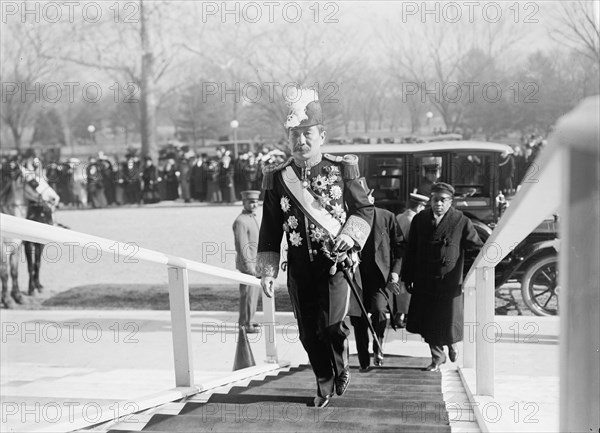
<point x="332" y="158"/>
<point x="269" y="171"/>
<point x="350" y="163"/>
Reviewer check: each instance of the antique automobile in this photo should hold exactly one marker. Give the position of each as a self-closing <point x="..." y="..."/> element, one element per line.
<point x="396" y="170"/>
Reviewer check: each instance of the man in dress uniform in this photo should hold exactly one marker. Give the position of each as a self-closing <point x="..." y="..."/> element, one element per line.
<point x="416" y="204"/>
<point x="317" y="201"/>
<point x="245" y="231"/>
<point x="433" y="271"/>
<point x="379" y="270"/>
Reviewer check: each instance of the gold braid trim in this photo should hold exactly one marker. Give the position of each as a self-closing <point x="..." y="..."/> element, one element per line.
<point x="358" y="229"/>
<point x="267" y="264"/>
<point x="350" y="164"/>
<point x="269" y="171"/>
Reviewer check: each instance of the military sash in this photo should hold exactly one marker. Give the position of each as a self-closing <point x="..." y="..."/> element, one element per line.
<point x="309" y="204"/>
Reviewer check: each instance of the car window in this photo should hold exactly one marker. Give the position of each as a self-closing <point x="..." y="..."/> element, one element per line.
<point x="470" y="173"/>
<point x="385" y="177"/>
<point x="427" y="170"/>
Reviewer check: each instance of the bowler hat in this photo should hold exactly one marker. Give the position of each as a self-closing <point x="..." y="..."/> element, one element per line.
<point x="250" y="195"/>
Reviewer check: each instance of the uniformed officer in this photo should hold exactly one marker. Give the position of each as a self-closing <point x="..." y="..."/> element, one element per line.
<point x="432" y="269"/>
<point x="316" y="200"/>
<point x="245" y="231"/>
<point x="416" y="204"/>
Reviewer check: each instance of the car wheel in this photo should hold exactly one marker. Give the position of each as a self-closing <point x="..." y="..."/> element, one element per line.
<point x="539" y="286"/>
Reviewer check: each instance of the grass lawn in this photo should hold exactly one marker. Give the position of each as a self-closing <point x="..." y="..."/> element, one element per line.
<point x="153" y="297"/>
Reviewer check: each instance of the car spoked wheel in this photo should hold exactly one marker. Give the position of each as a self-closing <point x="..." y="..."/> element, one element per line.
<point x="539" y="287"/>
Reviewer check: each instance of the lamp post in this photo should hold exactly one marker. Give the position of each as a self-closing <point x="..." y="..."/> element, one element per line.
<point x="234" y="125"/>
<point x="91" y="130"/>
<point x="429" y="116"/>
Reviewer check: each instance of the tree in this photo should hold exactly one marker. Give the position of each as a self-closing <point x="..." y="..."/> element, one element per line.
<point x="138" y="54"/>
<point x="578" y="29"/>
<point x="21" y="71"/>
<point x="198" y="119"/>
<point x="432" y="63"/>
<point x="48" y="128"/>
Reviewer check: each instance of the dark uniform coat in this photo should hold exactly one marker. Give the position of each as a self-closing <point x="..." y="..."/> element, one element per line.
<point x="382" y="254"/>
<point x="404" y="221"/>
<point x="434" y="265"/>
<point x="320" y="299"/>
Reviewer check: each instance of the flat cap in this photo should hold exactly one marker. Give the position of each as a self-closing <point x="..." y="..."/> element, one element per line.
<point x="442" y="187"/>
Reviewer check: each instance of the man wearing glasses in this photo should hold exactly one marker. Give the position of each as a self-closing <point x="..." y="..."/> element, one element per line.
<point x="432" y="270"/>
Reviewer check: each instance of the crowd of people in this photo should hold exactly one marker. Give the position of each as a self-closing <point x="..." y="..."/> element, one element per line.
<point x="103" y="180"/>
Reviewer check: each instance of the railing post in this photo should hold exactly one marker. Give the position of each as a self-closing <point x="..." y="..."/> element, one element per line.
<point x="179" y="302"/>
<point x="484" y="354"/>
<point x="484" y="351"/>
<point x="579" y="272"/>
<point x="269" y="327"/>
<point x="470" y="326"/>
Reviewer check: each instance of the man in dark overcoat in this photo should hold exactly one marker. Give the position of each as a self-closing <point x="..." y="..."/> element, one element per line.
<point x="317" y="201"/>
<point x="379" y="267"/>
<point x="245" y="232"/>
<point x="433" y="273"/>
<point x="416" y="203"/>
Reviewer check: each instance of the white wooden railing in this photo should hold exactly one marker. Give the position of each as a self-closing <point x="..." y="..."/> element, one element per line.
<point x="177" y="269"/>
<point x="536" y="200"/>
<point x="565" y="179"/>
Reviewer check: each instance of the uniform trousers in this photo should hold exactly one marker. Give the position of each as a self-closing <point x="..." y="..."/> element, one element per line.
<point x="437" y="353"/>
<point x="248" y="301"/>
<point x="375" y="303"/>
<point x="320" y="305"/>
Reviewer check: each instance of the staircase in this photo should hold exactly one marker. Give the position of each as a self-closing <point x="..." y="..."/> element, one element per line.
<point x="398" y="397"/>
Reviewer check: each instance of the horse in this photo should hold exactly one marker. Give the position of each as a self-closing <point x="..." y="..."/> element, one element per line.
<point x="42" y="213"/>
<point x="19" y="189"/>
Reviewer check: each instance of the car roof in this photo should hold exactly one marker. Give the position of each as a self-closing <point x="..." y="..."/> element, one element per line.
<point x="470" y="146"/>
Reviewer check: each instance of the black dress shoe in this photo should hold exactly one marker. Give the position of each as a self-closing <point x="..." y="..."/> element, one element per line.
<point x="364" y="369"/>
<point x="342" y="381"/>
<point x="404" y="320"/>
<point x="452" y="353"/>
<point x="433" y="367"/>
<point x="321" y="402"/>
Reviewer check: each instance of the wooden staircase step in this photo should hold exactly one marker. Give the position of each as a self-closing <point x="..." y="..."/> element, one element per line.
<point x="382" y="373"/>
<point x="309" y="421"/>
<point x="423" y="412"/>
<point x="366" y="402"/>
<point x="355" y="379"/>
<point x="416" y="369"/>
<point x="350" y="392"/>
<point x="356" y="382"/>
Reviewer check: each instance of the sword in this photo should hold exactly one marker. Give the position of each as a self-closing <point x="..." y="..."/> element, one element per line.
<point x="346" y="266"/>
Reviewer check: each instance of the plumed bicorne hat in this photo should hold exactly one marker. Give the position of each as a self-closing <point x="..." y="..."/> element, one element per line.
<point x="305" y="109"/>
